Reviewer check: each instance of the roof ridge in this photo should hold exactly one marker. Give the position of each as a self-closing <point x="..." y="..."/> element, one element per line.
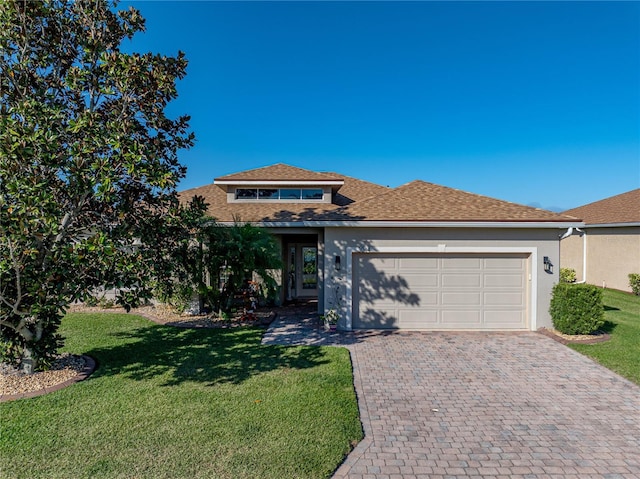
<point x="277" y="169"/>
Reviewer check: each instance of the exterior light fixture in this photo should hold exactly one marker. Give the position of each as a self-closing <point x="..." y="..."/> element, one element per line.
<point x="337" y="263"/>
<point x="548" y="266"/>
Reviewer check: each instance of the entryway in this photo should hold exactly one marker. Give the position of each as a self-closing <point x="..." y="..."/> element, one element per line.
<point x="301" y="261"/>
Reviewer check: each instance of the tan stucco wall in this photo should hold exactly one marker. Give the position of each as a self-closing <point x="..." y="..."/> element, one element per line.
<point x="546" y="242"/>
<point x="612" y="253"/>
<point x="571" y="254"/>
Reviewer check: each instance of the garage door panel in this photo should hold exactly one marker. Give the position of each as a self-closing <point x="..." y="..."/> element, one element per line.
<point x="504" y="299"/>
<point x="503" y="263"/>
<point x="415" y="263"/>
<point x="503" y="319"/>
<point x="457" y="280"/>
<point x="503" y="280"/>
<point x="462" y="298"/>
<point x="466" y="263"/>
<point x="380" y="318"/>
<point x="461" y="319"/>
<point x="420" y="281"/>
<point x="418" y="319"/>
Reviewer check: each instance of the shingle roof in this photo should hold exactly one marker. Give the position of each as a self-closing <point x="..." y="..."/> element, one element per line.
<point x="352" y="191"/>
<point x="422" y="201"/>
<point x="279" y="172"/>
<point x="359" y="200"/>
<point x="623" y="208"/>
<point x="356" y="190"/>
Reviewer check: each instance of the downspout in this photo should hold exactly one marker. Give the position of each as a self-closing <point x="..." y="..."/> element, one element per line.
<point x="568" y="233"/>
<point x="584" y="256"/>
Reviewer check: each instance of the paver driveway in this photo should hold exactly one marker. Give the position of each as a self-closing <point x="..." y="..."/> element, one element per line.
<point x="489" y="405"/>
<point x="485" y="405"/>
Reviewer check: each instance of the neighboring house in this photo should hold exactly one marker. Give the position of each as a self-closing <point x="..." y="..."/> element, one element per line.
<point x="419" y="256"/>
<point x="607" y="248"/>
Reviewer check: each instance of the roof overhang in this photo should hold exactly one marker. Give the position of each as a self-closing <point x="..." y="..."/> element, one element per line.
<point x="612" y="225"/>
<point x="418" y="224"/>
<point x="279" y="182"/>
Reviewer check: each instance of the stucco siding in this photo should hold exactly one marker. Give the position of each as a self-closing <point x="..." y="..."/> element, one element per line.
<point x="571" y="255"/>
<point x="612" y="253"/>
<point x="536" y="243"/>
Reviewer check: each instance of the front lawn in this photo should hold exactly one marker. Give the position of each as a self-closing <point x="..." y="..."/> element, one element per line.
<point x="184" y="403"/>
<point x="622" y="353"/>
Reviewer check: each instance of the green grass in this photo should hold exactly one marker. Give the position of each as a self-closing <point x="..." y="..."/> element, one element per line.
<point x="622" y="352"/>
<point x="195" y="403"/>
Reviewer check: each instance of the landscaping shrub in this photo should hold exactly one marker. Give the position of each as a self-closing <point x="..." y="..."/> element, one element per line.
<point x="576" y="308"/>
<point x="634" y="282"/>
<point x="567" y="275"/>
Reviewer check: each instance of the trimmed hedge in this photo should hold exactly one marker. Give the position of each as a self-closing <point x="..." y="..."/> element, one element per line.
<point x="576" y="308"/>
<point x="634" y="282"/>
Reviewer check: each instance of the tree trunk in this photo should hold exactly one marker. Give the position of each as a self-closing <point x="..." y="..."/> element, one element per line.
<point x="29" y="361"/>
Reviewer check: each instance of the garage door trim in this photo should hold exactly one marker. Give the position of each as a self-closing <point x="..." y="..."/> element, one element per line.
<point x="443" y="249"/>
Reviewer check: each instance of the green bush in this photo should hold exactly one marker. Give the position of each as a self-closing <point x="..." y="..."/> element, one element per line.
<point x="567" y="275"/>
<point x="91" y="301"/>
<point x="576" y="308"/>
<point x="634" y="282"/>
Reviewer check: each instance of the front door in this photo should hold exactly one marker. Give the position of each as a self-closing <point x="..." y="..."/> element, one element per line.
<point x="303" y="270"/>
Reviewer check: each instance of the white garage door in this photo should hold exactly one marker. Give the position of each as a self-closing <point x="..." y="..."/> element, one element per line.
<point x="440" y="291"/>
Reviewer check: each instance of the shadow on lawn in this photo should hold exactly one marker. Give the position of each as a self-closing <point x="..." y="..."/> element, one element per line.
<point x="211" y="356"/>
<point x="608" y="327"/>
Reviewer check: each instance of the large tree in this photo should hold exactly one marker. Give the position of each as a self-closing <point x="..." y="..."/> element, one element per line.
<point x="88" y="164"/>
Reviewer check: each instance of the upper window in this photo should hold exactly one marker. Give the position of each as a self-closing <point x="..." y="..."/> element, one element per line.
<point x="308" y="194"/>
<point x="289" y="193"/>
<point x="268" y="194"/>
<point x="246" y="194"/>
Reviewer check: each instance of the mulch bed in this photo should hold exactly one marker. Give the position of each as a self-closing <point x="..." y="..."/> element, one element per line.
<point x="165" y="315"/>
<point x="597" y="337"/>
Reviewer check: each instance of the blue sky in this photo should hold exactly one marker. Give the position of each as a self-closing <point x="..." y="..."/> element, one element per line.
<point x="536" y="103"/>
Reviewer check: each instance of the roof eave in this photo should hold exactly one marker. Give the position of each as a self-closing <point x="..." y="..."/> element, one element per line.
<point x="279" y="182"/>
<point x="419" y="224"/>
<point x="612" y="225"/>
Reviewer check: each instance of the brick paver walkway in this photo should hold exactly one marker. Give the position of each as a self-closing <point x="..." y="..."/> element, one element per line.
<point x="482" y="405"/>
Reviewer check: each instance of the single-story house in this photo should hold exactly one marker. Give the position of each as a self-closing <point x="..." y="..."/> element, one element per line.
<point x="420" y="256"/>
<point x="607" y="248"/>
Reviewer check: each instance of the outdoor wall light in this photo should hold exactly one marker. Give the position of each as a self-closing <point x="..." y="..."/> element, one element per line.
<point x="337" y="262"/>
<point x="548" y="266"/>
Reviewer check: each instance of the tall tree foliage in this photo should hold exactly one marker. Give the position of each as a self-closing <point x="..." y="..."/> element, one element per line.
<point x="213" y="261"/>
<point x="88" y="163"/>
<point x="236" y="252"/>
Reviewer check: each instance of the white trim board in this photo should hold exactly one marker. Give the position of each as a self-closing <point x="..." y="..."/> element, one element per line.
<point x="444" y="249"/>
<point x="279" y="182"/>
<point x="420" y="224"/>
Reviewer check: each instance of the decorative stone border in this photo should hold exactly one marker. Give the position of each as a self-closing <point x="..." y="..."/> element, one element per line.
<point x="601" y="338"/>
<point x="89" y="368"/>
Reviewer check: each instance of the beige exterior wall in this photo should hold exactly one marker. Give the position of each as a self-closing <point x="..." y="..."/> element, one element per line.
<point x="541" y="242"/>
<point x="612" y="253"/>
<point x="571" y="254"/>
